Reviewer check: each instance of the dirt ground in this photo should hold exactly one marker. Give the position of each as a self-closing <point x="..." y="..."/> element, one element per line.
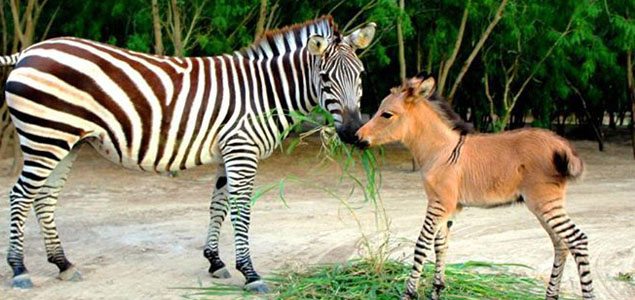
<point x="139" y="236"/>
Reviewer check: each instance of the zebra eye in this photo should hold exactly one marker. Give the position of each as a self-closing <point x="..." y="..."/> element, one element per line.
<point x="324" y="76"/>
<point x="386" y="115"/>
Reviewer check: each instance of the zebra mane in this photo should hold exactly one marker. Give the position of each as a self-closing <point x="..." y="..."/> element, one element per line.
<point x="277" y="41"/>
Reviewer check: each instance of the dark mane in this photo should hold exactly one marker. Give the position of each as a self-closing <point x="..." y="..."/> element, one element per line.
<point x="441" y="106"/>
<point x="445" y="110"/>
<point x="323" y="25"/>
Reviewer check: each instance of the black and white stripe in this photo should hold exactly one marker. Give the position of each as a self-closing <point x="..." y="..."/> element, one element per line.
<point x="159" y="114"/>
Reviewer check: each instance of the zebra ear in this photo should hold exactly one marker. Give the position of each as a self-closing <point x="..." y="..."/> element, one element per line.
<point x="361" y="37"/>
<point x="317" y="45"/>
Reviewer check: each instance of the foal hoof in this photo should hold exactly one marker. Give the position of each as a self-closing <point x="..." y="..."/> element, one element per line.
<point x="258" y="287"/>
<point x="409" y="296"/>
<point x="222" y="273"/>
<point x="22" y="281"/>
<point x="71" y="274"/>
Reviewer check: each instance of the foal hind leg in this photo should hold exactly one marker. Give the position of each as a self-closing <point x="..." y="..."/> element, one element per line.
<point x="559" y="260"/>
<point x="552" y="214"/>
<point x="218" y="211"/>
<point x="38" y="165"/>
<point x="44" y="206"/>
<point x="440" y="248"/>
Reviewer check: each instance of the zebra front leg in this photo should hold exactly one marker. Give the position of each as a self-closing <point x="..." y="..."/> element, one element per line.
<point x="241" y="172"/>
<point x="435" y="216"/>
<point x="218" y="211"/>
<point x="440" y="248"/>
<point x="44" y="207"/>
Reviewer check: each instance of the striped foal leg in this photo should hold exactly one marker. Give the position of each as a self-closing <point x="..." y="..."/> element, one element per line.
<point x="38" y="165"/>
<point x="554" y="215"/>
<point x="435" y="217"/>
<point x="559" y="260"/>
<point x="440" y="248"/>
<point x="241" y="172"/>
<point x="44" y="207"/>
<point x="218" y="211"/>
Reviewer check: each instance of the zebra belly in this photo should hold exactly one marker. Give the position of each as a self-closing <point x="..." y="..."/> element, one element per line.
<point x="105" y="147"/>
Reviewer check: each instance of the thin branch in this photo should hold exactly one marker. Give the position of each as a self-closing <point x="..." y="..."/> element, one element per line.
<point x="598" y="134"/>
<point x="197" y="14"/>
<point x="477" y="48"/>
<point x="366" y="7"/>
<point x="50" y="23"/>
<point x="542" y="60"/>
<point x="443" y="74"/>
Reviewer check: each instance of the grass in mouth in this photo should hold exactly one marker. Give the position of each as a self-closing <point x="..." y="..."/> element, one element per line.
<point x="360" y="279"/>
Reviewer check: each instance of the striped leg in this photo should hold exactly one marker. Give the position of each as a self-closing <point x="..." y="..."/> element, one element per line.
<point x="38" y="166"/>
<point x="44" y="206"/>
<point x="440" y="248"/>
<point x="241" y="172"/>
<point x="563" y="230"/>
<point x="435" y="216"/>
<point x="559" y="260"/>
<point x="218" y="211"/>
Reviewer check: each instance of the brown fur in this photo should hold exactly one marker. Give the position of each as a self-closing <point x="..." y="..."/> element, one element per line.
<point x="484" y="170"/>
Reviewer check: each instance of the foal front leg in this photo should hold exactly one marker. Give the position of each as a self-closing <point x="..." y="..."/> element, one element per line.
<point x="440" y="248"/>
<point x="436" y="216"/>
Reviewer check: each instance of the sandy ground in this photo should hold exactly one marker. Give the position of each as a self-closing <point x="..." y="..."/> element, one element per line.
<point x="138" y="236"/>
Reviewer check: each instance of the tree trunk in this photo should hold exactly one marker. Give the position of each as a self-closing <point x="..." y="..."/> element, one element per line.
<point x="631" y="92"/>
<point x="156" y="26"/>
<point x="477" y="48"/>
<point x="262" y="17"/>
<point x="443" y="73"/>
<point x="177" y="39"/>
<point x="400" y="42"/>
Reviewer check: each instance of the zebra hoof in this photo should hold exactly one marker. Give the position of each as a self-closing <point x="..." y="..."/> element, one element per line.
<point x="22" y="281"/>
<point x="258" y="287"/>
<point x="221" y="273"/>
<point x="71" y="274"/>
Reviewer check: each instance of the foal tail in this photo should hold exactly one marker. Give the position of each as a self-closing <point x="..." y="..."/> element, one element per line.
<point x="568" y="164"/>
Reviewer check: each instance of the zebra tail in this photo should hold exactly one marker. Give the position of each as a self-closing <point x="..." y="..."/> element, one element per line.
<point x="9" y="60"/>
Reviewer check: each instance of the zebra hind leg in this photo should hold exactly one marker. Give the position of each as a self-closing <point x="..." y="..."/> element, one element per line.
<point x="44" y="206"/>
<point x="218" y="211"/>
<point x="37" y="168"/>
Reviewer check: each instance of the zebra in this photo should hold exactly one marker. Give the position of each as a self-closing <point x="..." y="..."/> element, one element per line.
<point x="161" y="114"/>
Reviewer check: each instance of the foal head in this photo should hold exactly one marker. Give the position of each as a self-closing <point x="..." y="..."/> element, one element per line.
<point x="409" y="111"/>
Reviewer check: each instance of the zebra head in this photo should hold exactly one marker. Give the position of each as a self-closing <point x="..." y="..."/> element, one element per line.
<point x="337" y="76"/>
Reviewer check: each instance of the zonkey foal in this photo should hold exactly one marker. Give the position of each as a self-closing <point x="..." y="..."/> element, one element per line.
<point x="483" y="170"/>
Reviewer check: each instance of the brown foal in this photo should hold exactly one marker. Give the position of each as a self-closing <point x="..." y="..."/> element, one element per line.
<point x="483" y="170"/>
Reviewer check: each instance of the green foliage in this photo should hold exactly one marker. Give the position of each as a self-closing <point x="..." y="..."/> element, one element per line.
<point x="590" y="57"/>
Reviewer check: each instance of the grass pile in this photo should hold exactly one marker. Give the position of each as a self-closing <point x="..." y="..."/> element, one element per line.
<point x="359" y="279"/>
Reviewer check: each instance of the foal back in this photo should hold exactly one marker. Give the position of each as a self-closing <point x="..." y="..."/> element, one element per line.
<point x="498" y="169"/>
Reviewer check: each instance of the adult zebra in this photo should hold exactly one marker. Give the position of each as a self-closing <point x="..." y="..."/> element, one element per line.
<point x="156" y="113"/>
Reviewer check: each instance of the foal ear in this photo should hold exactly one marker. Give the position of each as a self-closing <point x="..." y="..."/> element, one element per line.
<point x="424" y="87"/>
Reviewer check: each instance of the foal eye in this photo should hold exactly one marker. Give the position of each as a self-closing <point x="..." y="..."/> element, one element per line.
<point x="386" y="115"/>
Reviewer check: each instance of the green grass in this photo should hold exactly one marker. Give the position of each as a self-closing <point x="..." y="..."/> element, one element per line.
<point x="361" y="279"/>
<point x="628" y="277"/>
